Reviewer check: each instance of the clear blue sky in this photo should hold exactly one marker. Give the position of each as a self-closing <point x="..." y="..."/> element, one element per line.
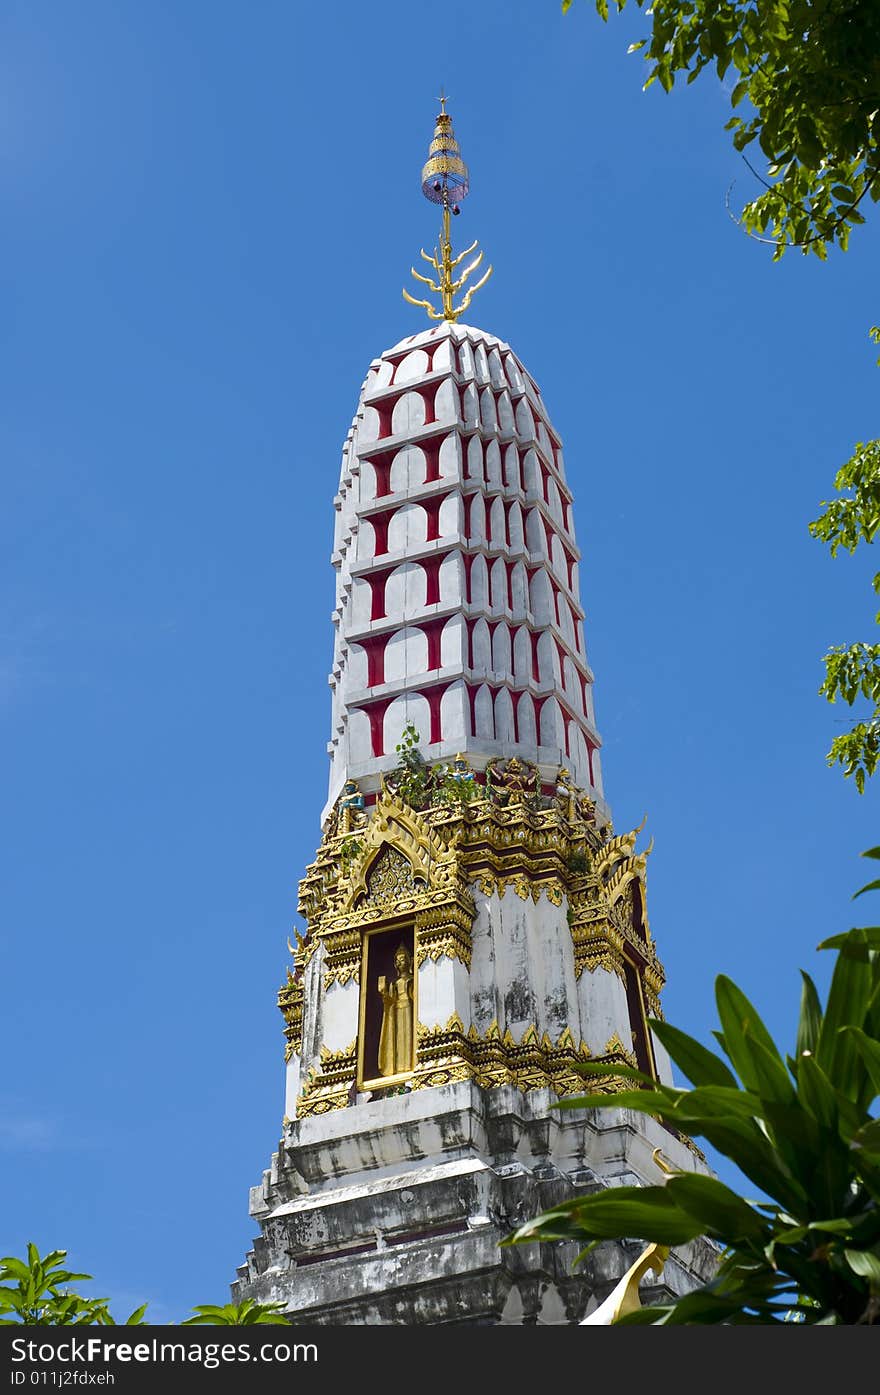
<point x="208" y="211"/>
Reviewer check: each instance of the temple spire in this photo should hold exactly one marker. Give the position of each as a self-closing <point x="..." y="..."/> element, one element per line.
<point x="445" y="181"/>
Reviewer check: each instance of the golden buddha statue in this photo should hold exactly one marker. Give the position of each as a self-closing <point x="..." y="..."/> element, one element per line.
<point x="396" y="1036"/>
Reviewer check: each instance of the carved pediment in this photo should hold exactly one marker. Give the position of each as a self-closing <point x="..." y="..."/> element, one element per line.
<point x="621" y="873"/>
<point x="399" y="855"/>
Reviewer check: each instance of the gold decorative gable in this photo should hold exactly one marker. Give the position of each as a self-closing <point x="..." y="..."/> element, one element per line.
<point x="620" y="874"/>
<point x="390" y="877"/>
<point x="396" y="826"/>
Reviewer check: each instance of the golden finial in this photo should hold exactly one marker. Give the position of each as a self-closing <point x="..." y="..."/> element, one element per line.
<point x="445" y="181"/>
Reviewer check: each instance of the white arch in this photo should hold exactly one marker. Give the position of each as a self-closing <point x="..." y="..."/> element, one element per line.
<point x="443" y="358"/>
<point x="361" y="602"/>
<point x="450" y="455"/>
<point x="552" y="731"/>
<point x="449" y="520"/>
<point x="498" y="581"/>
<point x="571" y="684"/>
<point x="481" y="363"/>
<point x="407" y="470"/>
<point x="356" y="676"/>
<point x="477" y="529"/>
<point x="525" y="427"/>
<point x="578" y="759"/>
<point x="479" y="583"/>
<point x="525" y="720"/>
<point x="519" y="585"/>
<point x="504" y="717"/>
<point x="484" y="719"/>
<point x="566" y="623"/>
<point x="515" y="525"/>
<point x="481" y="645"/>
<point x="453" y="641"/>
<point x="408" y="414"/>
<point x="405" y="590"/>
<point x="454" y="713"/>
<point x="470" y="406"/>
<point x="532" y="476"/>
<point x="548" y="658"/>
<point x="555" y="502"/>
<point x="450" y="580"/>
<point x="368" y="426"/>
<point x="475" y="459"/>
<point x="358" y="741"/>
<point x="541" y="598"/>
<point x="557" y="554"/>
<point x="536" y="539"/>
<point x="408" y="527"/>
<point x="493" y="463"/>
<point x="502" y="657"/>
<point x="446" y="403"/>
<point x="414" y="365"/>
<point x="488" y="414"/>
<point x="406" y="654"/>
<point x="511" y="467"/>
<point x="408" y="708"/>
<point x="522" y="655"/>
<point x="514" y="376"/>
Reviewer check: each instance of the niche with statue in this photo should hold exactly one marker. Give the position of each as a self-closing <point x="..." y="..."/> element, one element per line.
<point x="388" y="1009"/>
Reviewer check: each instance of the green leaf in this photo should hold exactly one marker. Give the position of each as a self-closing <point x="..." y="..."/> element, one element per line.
<point x="869" y="1051"/>
<point x="701" y="1066"/>
<point x="865" y="1264"/>
<point x="848" y="997"/>
<point x="868" y="1137"/>
<point x="810" y="1020"/>
<point x="742" y="1026"/>
<point x="855" y="943"/>
<point x="816" y="1092"/>
<point x="649" y="1212"/>
<point x="718" y="1208"/>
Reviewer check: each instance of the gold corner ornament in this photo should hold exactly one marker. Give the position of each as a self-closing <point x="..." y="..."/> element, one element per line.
<point x="625" y="1298"/>
<point x="445" y="181"/>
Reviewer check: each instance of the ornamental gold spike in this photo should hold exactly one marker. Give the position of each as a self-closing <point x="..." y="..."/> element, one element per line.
<point x="445" y="181"/>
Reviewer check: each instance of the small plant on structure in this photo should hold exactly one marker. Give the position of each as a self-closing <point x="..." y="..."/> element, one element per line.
<point x="410" y="776"/>
<point x="348" y="851"/>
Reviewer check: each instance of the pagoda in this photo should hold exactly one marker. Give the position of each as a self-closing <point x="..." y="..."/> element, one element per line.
<point x="474" y="928"/>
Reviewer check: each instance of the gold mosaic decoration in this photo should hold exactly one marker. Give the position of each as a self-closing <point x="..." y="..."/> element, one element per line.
<point x="422" y="869"/>
<point x="390" y="877"/>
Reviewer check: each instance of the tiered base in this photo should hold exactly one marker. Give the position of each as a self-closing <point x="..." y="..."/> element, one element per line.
<point x="392" y="1212"/>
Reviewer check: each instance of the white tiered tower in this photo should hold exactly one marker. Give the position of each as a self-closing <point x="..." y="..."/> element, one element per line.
<point x="474" y="929"/>
<point x="457" y="603"/>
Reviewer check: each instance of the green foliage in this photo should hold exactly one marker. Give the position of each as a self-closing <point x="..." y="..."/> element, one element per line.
<point x="801" y="1129"/>
<point x="349" y="849"/>
<point x="852" y="672"/>
<point x="242" y="1314"/>
<point x="808" y="72"/>
<point x="578" y="862"/>
<point x="35" y="1292"/>
<point x="421" y="785"/>
<point x="410" y="776"/>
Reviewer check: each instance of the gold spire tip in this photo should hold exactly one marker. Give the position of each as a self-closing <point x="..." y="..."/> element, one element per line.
<point x="446" y="181"/>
